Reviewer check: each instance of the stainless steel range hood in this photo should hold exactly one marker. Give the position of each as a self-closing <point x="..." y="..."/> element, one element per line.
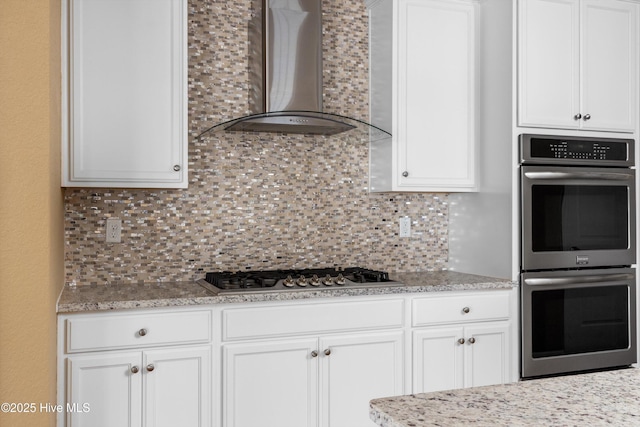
<point x="286" y="73"/>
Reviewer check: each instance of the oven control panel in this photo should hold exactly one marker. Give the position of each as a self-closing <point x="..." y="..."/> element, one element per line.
<point x="592" y="151"/>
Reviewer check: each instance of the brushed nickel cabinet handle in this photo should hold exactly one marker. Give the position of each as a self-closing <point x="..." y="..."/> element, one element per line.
<point x="461" y="341"/>
<point x="142" y="332"/>
<point x="134" y="369"/>
<point x="472" y="340"/>
<point x="150" y="367"/>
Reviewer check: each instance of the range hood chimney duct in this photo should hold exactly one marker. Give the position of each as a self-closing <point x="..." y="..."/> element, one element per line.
<point x="286" y="73"/>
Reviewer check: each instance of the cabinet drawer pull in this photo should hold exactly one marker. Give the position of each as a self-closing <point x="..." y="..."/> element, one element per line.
<point x="134" y="369"/>
<point x="466" y="310"/>
<point x="472" y="340"/>
<point x="461" y="341"/>
<point x="142" y="332"/>
<point x="587" y="117"/>
<point x="314" y="353"/>
<point x="176" y="168"/>
<point x="405" y="174"/>
<point x="327" y="352"/>
<point x="150" y="367"/>
<point x="577" y="116"/>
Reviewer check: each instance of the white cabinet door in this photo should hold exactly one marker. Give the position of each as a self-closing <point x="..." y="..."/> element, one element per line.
<point x="125" y="93"/>
<point x="270" y="384"/>
<point x="111" y="387"/>
<point x="438" y="359"/>
<point x="356" y="369"/>
<point x="177" y="387"/>
<point x="486" y="350"/>
<point x="577" y="64"/>
<point x="608" y="62"/>
<point x="548" y="49"/>
<point x="435" y="125"/>
<point x="430" y="67"/>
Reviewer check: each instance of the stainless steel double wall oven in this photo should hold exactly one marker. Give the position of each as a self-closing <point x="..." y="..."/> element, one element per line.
<point x="578" y="287"/>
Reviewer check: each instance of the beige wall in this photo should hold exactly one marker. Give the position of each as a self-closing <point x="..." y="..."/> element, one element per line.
<point x="31" y="207"/>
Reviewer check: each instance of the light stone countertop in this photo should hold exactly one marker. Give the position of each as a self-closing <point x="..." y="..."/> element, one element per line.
<point x="593" y="399"/>
<point x="82" y="298"/>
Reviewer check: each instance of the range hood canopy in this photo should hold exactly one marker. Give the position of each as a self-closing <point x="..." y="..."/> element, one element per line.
<point x="301" y="122"/>
<point x="286" y="74"/>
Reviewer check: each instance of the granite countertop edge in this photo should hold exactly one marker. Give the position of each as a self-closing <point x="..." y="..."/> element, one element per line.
<point x="119" y="296"/>
<point x="594" y="398"/>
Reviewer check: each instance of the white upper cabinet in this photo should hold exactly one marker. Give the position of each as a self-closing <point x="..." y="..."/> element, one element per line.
<point x="577" y="64"/>
<point x="124" y="93"/>
<point x="608" y="62"/>
<point x="422" y="77"/>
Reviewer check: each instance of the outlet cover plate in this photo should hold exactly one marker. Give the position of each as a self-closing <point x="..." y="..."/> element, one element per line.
<point x="405" y="226"/>
<point x="114" y="230"/>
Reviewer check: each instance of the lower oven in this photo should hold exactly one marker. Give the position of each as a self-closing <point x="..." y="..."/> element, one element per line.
<point x="577" y="320"/>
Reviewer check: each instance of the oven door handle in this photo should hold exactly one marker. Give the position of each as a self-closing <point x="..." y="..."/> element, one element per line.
<point x="610" y="176"/>
<point x="574" y="280"/>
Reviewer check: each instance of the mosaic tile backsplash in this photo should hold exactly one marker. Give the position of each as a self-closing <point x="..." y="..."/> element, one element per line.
<point x="261" y="202"/>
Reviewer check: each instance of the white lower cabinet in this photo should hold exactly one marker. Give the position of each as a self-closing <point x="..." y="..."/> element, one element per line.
<point x="145" y="373"/>
<point x="447" y="358"/>
<point x="341" y="356"/>
<point x="160" y="388"/>
<point x="303" y="363"/>
<point x="326" y="381"/>
<point x="464" y="339"/>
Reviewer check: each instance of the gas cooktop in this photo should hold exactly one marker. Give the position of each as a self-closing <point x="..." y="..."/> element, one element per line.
<point x="305" y="279"/>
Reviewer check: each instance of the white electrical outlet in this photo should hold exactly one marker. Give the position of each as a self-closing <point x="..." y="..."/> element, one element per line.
<point x="405" y="226"/>
<point x="114" y="230"/>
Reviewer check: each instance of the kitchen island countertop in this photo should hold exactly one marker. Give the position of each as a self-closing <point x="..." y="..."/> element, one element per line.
<point x="591" y="399"/>
<point x="82" y="298"/>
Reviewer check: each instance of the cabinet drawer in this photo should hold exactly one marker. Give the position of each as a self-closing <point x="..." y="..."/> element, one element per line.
<point x="486" y="305"/>
<point x="300" y="319"/>
<point x="112" y="331"/>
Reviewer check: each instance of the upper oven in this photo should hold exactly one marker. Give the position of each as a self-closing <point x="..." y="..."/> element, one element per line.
<point x="578" y="202"/>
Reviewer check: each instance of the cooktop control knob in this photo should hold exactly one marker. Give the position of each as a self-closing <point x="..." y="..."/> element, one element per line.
<point x="340" y="280"/>
<point x="315" y="281"/>
<point x="289" y="282"/>
<point x="328" y="280"/>
<point x="302" y="281"/>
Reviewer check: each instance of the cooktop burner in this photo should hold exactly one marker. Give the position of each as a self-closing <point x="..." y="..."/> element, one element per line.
<point x="309" y="279"/>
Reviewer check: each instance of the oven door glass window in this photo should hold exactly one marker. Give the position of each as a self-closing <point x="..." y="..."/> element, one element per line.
<point x="579" y="320"/>
<point x="579" y="217"/>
